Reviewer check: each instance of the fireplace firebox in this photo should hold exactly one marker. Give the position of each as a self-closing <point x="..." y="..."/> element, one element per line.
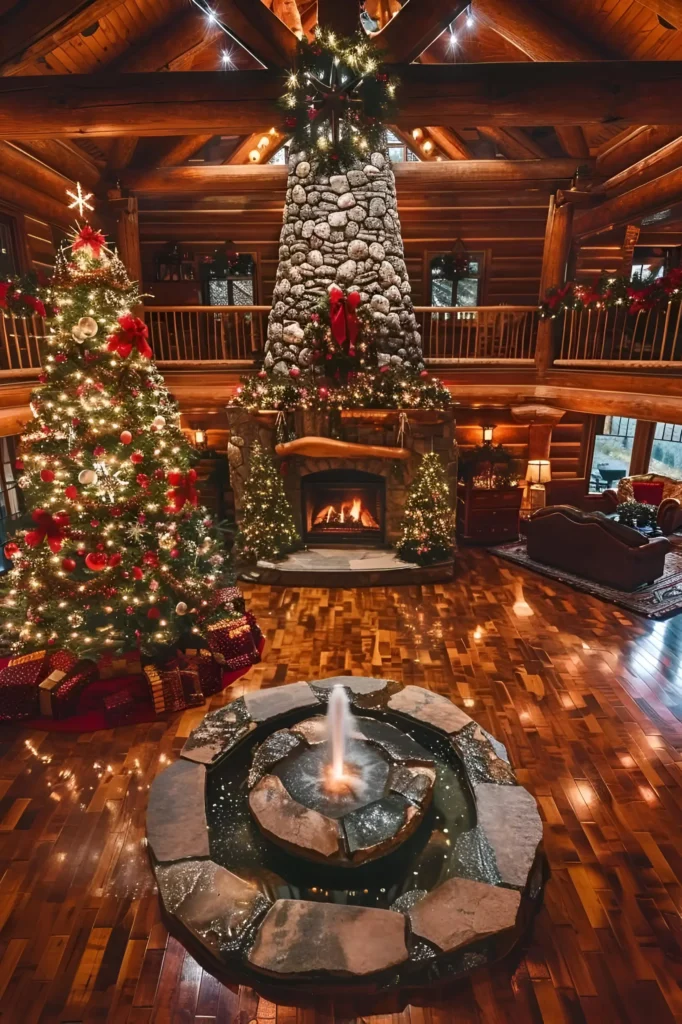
<point x="343" y="506"/>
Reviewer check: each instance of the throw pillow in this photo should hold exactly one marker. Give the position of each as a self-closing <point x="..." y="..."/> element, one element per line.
<point x="648" y="491"/>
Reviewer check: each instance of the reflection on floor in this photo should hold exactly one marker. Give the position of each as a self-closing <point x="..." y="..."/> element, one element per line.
<point x="588" y="700"/>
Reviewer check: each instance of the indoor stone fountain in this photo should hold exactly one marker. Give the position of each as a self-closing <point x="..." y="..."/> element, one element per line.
<point x="344" y="834"/>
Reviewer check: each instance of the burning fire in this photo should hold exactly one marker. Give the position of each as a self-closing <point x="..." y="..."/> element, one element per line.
<point x="349" y="513"/>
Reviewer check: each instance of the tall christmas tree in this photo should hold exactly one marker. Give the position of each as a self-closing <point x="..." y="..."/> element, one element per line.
<point x="267" y="527"/>
<point x="118" y="554"/>
<point x="428" y="522"/>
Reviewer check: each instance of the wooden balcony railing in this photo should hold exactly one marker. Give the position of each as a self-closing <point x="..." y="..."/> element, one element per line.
<point x="206" y="334"/>
<point x="613" y="337"/>
<point x="494" y="335"/>
<point x="20" y="339"/>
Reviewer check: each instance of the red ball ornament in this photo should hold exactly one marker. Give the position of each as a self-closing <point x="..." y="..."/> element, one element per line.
<point x="96" y="561"/>
<point x="68" y="564"/>
<point x="116" y="511"/>
<point x="71" y="492"/>
<point x="262" y="374"/>
<point x="294" y="371"/>
<point x="136" y="458"/>
<point x="42" y="378"/>
<point x="114" y="559"/>
<point x="174" y="477"/>
<point x="97" y="451"/>
<point x="158" y="474"/>
<point x="80" y="552"/>
<point x="385" y="369"/>
<point x="153" y="613"/>
<point x="137" y="572"/>
<point x="142" y="479"/>
<point x="60" y="357"/>
<point x="75" y="421"/>
<point x="94" y="522"/>
<point x="322" y="392"/>
<point x="424" y="374"/>
<point x="126" y="437"/>
<point x="47" y="475"/>
<point x="18" y="463"/>
<point x="11" y="549"/>
<point x="174" y="553"/>
<point x="150" y="558"/>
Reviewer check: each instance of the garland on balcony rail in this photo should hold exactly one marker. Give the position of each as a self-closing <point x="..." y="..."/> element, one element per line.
<point x="24" y="296"/>
<point x="619" y="292"/>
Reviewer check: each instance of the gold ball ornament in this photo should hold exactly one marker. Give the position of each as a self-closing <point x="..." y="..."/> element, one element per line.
<point x="181" y="608"/>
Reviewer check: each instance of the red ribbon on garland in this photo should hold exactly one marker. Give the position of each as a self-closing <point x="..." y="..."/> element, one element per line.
<point x="47" y="526"/>
<point x="132" y="334"/>
<point x="343" y="320"/>
<point x="183" y="490"/>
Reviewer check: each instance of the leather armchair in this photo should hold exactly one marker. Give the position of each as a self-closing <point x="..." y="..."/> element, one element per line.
<point x="669" y="518"/>
<point x="594" y="547"/>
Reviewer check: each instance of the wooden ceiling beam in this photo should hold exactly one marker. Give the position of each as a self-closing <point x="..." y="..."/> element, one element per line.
<point x="33" y="172"/>
<point x="182" y="150"/>
<point x="342" y="16"/>
<point x="539" y="35"/>
<point x="630" y="207"/>
<point x="242" y="153"/>
<point x="122" y="152"/>
<point x="632" y="145"/>
<point x="450" y="143"/>
<point x="242" y="102"/>
<point x="573" y="141"/>
<point x="513" y="142"/>
<point x="170" y="47"/>
<point x="36" y="203"/>
<point x="280" y="40"/>
<point x="34" y="28"/>
<point x="413" y="177"/>
<point x="287" y="11"/>
<point x="669" y="10"/>
<point x="64" y="157"/>
<point x="653" y="166"/>
<point x="415" y="28"/>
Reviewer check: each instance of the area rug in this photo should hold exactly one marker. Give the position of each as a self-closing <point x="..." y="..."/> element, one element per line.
<point x="658" y="600"/>
<point x="89" y="715"/>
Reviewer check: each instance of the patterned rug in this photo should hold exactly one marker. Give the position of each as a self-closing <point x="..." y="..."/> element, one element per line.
<point x="658" y="600"/>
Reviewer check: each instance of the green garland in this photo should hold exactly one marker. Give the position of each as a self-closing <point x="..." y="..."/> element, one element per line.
<point x="619" y="292"/>
<point x="637" y="513"/>
<point x="316" y="87"/>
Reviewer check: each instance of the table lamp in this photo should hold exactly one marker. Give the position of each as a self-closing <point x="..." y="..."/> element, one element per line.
<point x="538" y="473"/>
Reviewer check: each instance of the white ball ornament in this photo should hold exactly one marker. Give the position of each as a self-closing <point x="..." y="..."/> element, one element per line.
<point x="181" y="608"/>
<point x="159" y="422"/>
<point x="87" y="476"/>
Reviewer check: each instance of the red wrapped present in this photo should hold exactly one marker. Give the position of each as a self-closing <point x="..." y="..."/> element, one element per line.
<point x="60" y="692"/>
<point x="191" y="686"/>
<point x="168" y="688"/>
<point x="229" y="598"/>
<point x="210" y="672"/>
<point x="63" y="661"/>
<point x="111" y="666"/>
<point x="19" y="683"/>
<point x="255" y="628"/>
<point x="233" y="640"/>
<point x="120" y="708"/>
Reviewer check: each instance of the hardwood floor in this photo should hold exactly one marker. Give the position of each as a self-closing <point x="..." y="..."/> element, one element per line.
<point x="589" y="703"/>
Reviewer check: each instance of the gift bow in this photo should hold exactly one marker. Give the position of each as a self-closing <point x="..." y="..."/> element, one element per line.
<point x="88" y="238"/>
<point x="343" y="319"/>
<point x="132" y="333"/>
<point x="47" y="526"/>
<point x="183" y="491"/>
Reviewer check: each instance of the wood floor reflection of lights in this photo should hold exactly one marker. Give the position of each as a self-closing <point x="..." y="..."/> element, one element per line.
<point x="588" y="700"/>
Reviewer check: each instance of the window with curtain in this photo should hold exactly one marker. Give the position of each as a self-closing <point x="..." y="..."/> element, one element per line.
<point x="666" y="450"/>
<point x="612" y="452"/>
<point x="448" y="290"/>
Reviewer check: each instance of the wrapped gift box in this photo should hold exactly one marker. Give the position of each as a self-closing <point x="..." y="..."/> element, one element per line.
<point x="120" y="708"/>
<point x="168" y="688"/>
<point x="255" y="628"/>
<point x="60" y="692"/>
<point x="19" y="683"/>
<point x="231" y="599"/>
<point x="210" y="672"/>
<point x="233" y="639"/>
<point x="111" y="666"/>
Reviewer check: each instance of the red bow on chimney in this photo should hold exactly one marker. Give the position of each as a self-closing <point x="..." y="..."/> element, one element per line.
<point x="47" y="526"/>
<point x="183" y="490"/>
<point x="343" y="320"/>
<point x="132" y="334"/>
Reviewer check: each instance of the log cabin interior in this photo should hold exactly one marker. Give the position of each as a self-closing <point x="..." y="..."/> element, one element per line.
<point x="533" y="265"/>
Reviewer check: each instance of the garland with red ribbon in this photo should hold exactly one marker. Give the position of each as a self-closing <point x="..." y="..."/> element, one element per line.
<point x="132" y="334"/>
<point x="183" y="490"/>
<point x="341" y="335"/>
<point x="48" y="527"/>
<point x="19" y="297"/>
<point x="608" y="292"/>
<point x="343" y="318"/>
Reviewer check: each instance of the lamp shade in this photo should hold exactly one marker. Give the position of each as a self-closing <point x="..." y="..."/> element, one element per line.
<point x="488" y="431"/>
<point x="539" y="471"/>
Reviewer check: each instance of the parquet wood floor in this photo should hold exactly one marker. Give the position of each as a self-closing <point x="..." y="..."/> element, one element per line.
<point x="589" y="703"/>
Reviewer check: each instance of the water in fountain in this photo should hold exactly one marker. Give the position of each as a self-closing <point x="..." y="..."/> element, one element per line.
<point x="338" y="723"/>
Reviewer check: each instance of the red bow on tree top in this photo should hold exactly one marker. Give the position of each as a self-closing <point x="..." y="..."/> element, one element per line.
<point x="88" y="238"/>
<point x="47" y="526"/>
<point x="183" y="490"/>
<point x="132" y="333"/>
<point x="343" y="319"/>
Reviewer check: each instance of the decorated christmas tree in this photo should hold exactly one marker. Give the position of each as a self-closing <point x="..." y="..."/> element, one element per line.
<point x="118" y="555"/>
<point x="428" y="521"/>
<point x="267" y="526"/>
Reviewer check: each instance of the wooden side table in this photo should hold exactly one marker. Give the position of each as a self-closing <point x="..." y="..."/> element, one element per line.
<point x="488" y="515"/>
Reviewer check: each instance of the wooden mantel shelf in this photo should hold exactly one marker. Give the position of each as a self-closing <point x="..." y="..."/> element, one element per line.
<point x="330" y="448"/>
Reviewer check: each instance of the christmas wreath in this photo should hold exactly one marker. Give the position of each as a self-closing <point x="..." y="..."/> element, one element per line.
<point x="338" y="100"/>
<point x="620" y="292"/>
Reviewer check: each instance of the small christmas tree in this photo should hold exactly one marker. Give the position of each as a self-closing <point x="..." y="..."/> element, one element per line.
<point x="428" y="522"/>
<point x="118" y="555"/>
<point x="267" y="528"/>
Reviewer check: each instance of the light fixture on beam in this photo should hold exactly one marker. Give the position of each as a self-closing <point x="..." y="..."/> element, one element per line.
<point x="488" y="431"/>
<point x="254" y="156"/>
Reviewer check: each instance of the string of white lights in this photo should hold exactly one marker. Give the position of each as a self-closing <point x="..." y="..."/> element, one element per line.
<point x="214" y="18"/>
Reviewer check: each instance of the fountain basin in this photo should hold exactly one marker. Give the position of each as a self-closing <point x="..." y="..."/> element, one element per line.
<point x="456" y="894"/>
<point x="378" y="803"/>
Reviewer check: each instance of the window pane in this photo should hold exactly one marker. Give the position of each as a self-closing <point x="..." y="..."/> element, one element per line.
<point x="467" y="292"/>
<point x="280" y="157"/>
<point x="242" y="292"/>
<point x="217" y="293"/>
<point x="392" y="138"/>
<point x="396" y="154"/>
<point x="666" y="451"/>
<point x="441" y="292"/>
<point x="412" y="157"/>
<point x="612" y="452"/>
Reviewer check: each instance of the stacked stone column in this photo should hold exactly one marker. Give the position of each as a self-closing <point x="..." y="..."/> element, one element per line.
<point x="341" y="229"/>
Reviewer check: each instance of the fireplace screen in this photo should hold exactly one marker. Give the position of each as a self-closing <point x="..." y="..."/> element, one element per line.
<point x="343" y="506"/>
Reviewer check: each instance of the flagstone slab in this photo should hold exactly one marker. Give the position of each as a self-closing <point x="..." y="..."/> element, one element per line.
<point x="430" y="708"/>
<point x="262" y="705"/>
<point x="176" y="815"/>
<point x="460" y="912"/>
<point x="509" y="817"/>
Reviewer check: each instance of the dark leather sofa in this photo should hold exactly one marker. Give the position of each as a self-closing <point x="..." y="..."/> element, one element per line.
<point x="590" y="545"/>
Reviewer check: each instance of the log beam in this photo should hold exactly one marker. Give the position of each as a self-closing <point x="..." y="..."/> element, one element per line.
<point x="415" y="28"/>
<point x="573" y="141"/>
<point x="449" y="143"/>
<point x="241" y="102"/>
<point x="540" y="36"/>
<point x="630" y="207"/>
<point x="410" y="177"/>
<point x="64" y="157"/>
<point x="122" y="152"/>
<point x="632" y="145"/>
<point x="182" y="150"/>
<point x="127" y="233"/>
<point x="653" y="166"/>
<point x="34" y="28"/>
<point x="37" y="204"/>
<point x="279" y="39"/>
<point x="171" y="47"/>
<point x="513" y="142"/>
<point x="342" y="16"/>
<point x="555" y="257"/>
<point x="33" y="172"/>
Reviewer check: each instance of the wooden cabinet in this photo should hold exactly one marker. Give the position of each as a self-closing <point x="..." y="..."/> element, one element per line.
<point x="488" y="516"/>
